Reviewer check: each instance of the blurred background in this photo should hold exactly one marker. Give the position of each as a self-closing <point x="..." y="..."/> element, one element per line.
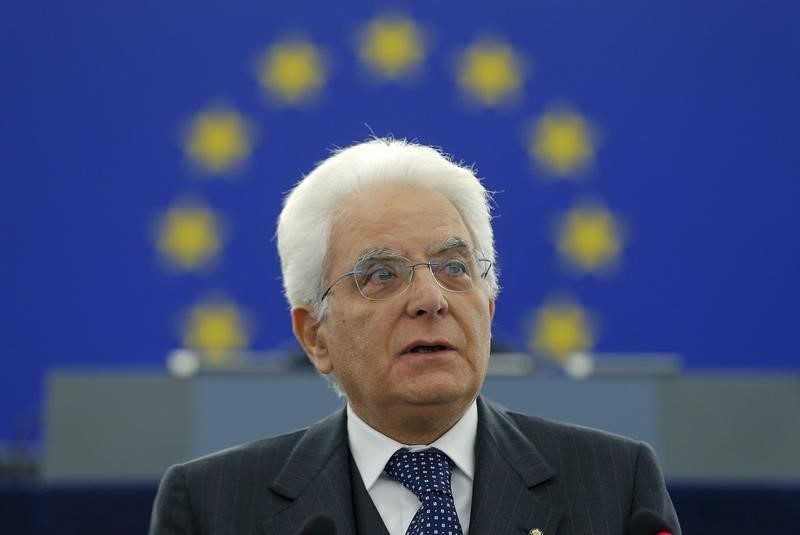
<point x="645" y="161"/>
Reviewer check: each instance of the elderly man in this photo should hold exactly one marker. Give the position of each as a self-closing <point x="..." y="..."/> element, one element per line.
<point x="387" y="256"/>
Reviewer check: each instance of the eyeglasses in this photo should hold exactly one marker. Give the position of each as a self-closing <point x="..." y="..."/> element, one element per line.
<point x="383" y="276"/>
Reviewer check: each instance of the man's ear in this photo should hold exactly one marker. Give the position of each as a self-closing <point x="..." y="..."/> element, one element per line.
<point x="310" y="333"/>
<point x="491" y="309"/>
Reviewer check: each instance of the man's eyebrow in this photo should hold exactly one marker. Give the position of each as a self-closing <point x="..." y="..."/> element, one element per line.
<point x="375" y="252"/>
<point x="451" y="243"/>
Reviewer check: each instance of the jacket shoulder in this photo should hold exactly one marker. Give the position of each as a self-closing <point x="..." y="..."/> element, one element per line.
<point x="226" y="488"/>
<point x="262" y="456"/>
<point x="599" y="466"/>
<point x="542" y="431"/>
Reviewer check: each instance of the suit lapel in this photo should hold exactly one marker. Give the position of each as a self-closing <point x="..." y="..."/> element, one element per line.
<point x="315" y="480"/>
<point x="509" y="493"/>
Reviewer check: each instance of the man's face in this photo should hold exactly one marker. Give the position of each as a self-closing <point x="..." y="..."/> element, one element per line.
<point x="371" y="344"/>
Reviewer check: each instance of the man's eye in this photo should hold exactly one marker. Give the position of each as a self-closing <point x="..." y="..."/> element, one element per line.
<point x="379" y="275"/>
<point x="453" y="268"/>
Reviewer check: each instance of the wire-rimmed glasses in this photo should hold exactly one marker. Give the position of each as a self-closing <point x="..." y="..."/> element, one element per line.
<point x="382" y="276"/>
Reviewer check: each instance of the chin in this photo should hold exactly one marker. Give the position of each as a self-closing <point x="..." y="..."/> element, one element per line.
<point x="432" y="393"/>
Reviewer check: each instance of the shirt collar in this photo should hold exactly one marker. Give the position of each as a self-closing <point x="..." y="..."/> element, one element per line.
<point x="371" y="449"/>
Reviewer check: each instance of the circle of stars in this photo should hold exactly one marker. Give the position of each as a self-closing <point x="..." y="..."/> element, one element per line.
<point x="489" y="72"/>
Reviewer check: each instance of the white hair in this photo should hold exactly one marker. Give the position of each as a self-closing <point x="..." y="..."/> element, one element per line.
<point x="311" y="207"/>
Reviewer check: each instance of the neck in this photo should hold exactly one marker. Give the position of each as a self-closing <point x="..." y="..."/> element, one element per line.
<point x="422" y="424"/>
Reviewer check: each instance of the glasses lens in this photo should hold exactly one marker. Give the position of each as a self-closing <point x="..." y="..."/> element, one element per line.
<point x="381" y="278"/>
<point x="454" y="273"/>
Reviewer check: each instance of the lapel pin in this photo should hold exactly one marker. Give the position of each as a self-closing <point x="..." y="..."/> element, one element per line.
<point x="535" y="532"/>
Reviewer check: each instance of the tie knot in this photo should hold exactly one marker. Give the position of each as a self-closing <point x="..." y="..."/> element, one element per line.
<point x="422" y="472"/>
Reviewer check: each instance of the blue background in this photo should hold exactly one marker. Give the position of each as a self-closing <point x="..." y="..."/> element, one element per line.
<point x="696" y="103"/>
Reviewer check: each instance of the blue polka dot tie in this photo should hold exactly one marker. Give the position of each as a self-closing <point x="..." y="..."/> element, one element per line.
<point x="427" y="474"/>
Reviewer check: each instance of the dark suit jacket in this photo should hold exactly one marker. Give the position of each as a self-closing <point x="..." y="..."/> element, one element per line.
<point x="529" y="473"/>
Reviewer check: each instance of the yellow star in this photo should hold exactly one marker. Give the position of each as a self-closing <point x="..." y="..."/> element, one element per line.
<point x="560" y="328"/>
<point x="292" y="70"/>
<point x="216" y="328"/>
<point x="491" y="72"/>
<point x="218" y="139"/>
<point x="590" y="237"/>
<point x="392" y="46"/>
<point x="562" y="142"/>
<point x="189" y="235"/>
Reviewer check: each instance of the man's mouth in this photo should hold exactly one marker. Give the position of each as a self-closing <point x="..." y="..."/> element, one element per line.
<point x="428" y="349"/>
<point x="423" y="347"/>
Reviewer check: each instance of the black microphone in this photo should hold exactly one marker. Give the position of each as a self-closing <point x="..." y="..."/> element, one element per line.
<point x="318" y="525"/>
<point x="647" y="522"/>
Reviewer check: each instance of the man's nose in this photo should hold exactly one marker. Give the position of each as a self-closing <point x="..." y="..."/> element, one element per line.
<point x="426" y="295"/>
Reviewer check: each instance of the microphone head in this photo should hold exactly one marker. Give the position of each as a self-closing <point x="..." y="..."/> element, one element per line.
<point x="318" y="525"/>
<point x="647" y="522"/>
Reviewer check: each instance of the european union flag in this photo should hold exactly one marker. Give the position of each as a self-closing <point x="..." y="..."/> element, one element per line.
<point x="643" y="156"/>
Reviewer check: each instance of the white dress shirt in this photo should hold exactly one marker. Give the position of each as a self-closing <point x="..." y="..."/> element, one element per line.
<point x="396" y="504"/>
